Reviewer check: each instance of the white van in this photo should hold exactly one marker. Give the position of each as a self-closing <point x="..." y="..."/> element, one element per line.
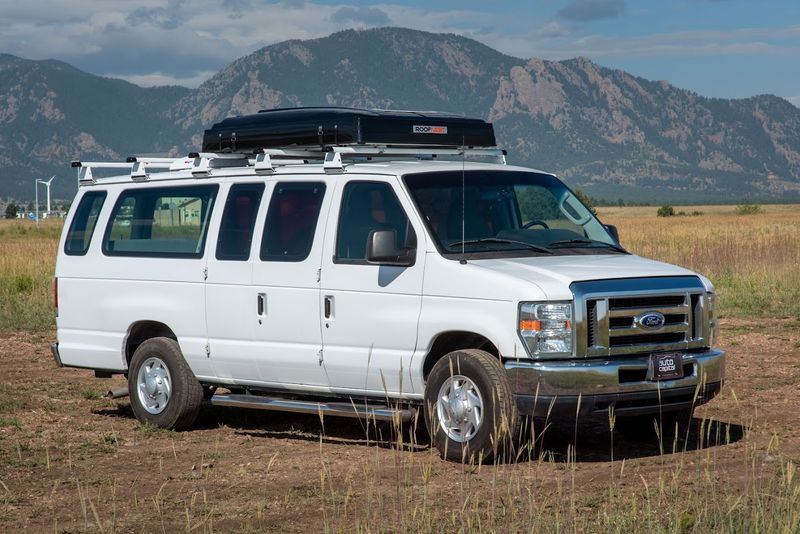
<point x="367" y="264"/>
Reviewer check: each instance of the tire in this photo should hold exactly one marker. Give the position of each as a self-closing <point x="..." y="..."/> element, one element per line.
<point x="164" y="392"/>
<point x="478" y="423"/>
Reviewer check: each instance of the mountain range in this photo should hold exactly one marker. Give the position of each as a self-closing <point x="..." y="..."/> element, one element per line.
<point x="607" y="132"/>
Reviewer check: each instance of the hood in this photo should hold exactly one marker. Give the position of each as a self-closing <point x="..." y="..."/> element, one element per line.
<point x="555" y="274"/>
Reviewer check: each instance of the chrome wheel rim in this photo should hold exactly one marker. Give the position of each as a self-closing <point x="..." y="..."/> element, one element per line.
<point x="154" y="385"/>
<point x="459" y="408"/>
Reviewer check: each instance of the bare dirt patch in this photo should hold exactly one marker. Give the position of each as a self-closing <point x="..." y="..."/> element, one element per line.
<point x="71" y="460"/>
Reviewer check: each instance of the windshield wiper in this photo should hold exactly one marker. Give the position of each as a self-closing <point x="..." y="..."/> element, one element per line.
<point x="537" y="248"/>
<point x="588" y="242"/>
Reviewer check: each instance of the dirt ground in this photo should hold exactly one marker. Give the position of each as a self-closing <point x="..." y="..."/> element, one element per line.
<point x="73" y="461"/>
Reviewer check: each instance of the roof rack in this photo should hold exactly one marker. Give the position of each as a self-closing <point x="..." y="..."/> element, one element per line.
<point x="265" y="161"/>
<point x="292" y="136"/>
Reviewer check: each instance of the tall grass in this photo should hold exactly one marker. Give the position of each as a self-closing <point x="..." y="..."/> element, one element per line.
<point x="753" y="260"/>
<point x="27" y="264"/>
<point x="543" y="490"/>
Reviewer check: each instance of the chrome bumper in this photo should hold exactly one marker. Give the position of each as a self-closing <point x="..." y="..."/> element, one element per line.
<point x="593" y="385"/>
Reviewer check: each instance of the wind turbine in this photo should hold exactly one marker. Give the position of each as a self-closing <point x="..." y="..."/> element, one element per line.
<point x="47" y="184"/>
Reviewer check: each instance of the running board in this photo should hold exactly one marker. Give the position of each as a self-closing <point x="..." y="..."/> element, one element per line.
<point x="340" y="409"/>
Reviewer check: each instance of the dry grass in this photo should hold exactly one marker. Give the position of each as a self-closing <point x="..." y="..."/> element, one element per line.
<point x="81" y="455"/>
<point x="27" y="264"/>
<point x="754" y="260"/>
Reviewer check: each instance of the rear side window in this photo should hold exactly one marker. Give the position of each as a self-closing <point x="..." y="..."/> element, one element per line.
<point x="167" y="222"/>
<point x="291" y="221"/>
<point x="238" y="221"/>
<point x="82" y="227"/>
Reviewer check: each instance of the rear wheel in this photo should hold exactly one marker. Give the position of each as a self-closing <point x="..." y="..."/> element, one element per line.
<point x="164" y="392"/>
<point x="469" y="408"/>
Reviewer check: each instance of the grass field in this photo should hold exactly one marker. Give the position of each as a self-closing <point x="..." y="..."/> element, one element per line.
<point x="754" y="260"/>
<point x="74" y="461"/>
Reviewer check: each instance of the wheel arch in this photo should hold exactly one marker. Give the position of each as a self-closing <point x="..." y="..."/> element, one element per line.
<point x="141" y="331"/>
<point x="446" y="342"/>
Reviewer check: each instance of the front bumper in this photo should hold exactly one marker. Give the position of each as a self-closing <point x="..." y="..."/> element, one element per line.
<point x="587" y="386"/>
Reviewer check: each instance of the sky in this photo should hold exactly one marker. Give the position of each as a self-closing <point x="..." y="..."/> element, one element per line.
<point x="719" y="48"/>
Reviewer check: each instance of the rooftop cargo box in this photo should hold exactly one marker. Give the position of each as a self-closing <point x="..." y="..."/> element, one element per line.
<point x="306" y="127"/>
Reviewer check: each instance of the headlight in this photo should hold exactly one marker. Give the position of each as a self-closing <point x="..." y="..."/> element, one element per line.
<point x="711" y="301"/>
<point x="546" y="328"/>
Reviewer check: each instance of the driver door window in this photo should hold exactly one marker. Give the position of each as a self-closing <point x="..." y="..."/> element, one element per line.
<point x="368" y="206"/>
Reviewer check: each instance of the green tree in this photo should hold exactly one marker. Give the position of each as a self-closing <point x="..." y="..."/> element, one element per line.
<point x="588" y="201"/>
<point x="11" y="211"/>
<point x="666" y="211"/>
<point x="748" y="209"/>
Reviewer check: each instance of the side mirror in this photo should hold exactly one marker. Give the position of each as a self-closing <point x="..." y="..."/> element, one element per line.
<point x="382" y="250"/>
<point x="611" y="229"/>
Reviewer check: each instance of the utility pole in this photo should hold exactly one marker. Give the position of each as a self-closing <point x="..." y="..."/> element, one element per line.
<point x="36" y="186"/>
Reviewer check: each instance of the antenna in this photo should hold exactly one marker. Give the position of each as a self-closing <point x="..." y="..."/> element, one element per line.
<point x="463" y="260"/>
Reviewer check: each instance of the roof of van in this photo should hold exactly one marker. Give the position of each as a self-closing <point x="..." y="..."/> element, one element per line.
<point x="379" y="167"/>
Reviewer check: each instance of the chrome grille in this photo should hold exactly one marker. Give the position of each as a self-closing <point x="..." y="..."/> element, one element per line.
<point x="605" y="312"/>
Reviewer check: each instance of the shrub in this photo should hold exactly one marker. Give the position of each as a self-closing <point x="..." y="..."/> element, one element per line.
<point x="748" y="209"/>
<point x="666" y="211"/>
<point x="588" y="201"/>
<point x="11" y="211"/>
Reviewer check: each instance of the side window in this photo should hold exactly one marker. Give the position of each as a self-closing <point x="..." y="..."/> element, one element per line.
<point x="82" y="227"/>
<point x="291" y="221"/>
<point x="368" y="206"/>
<point x="238" y="221"/>
<point x="166" y="222"/>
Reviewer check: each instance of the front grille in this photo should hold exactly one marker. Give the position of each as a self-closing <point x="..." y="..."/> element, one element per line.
<point x="643" y="339"/>
<point x="591" y="315"/>
<point x="627" y="322"/>
<point x="647" y="302"/>
<point x="607" y="312"/>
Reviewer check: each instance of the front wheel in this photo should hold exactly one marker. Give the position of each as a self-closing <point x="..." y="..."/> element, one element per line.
<point x="469" y="408"/>
<point x="164" y="391"/>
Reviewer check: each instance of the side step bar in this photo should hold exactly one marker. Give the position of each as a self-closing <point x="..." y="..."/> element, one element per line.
<point x="340" y="409"/>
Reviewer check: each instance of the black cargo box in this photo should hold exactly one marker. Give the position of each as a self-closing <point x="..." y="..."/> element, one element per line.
<point x="312" y="127"/>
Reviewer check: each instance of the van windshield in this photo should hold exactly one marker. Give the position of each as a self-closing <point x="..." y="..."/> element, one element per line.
<point x="506" y="213"/>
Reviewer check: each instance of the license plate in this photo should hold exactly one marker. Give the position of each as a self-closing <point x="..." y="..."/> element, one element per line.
<point x="665" y="366"/>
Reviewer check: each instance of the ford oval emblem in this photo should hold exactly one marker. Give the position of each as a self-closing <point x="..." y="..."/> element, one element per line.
<point x="649" y="321"/>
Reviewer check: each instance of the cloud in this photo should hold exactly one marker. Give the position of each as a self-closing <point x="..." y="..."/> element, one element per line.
<point x="369" y="16"/>
<point x="552" y="29"/>
<point x="587" y="10"/>
<point x="166" y="18"/>
<point x="794" y="100"/>
<point x="157" y="79"/>
<point x="698" y="43"/>
<point x="154" y="42"/>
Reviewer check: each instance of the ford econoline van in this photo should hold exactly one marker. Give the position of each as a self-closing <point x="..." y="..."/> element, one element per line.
<point x="372" y="264"/>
